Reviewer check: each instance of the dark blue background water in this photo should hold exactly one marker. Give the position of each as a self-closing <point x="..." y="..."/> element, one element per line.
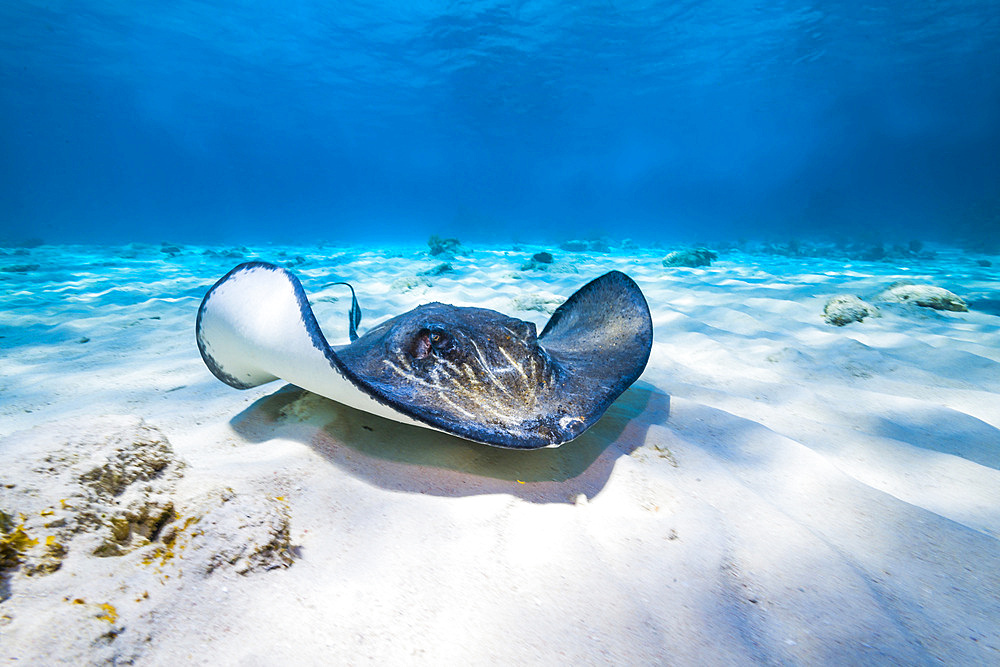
<point x="248" y="121"/>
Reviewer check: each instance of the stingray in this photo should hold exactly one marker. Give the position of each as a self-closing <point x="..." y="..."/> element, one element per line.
<point x="471" y="372"/>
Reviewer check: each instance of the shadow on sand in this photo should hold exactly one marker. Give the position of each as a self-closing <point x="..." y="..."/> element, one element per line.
<point x="407" y="458"/>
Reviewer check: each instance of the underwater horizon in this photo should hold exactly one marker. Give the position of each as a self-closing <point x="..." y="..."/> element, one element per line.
<point x="213" y="122"/>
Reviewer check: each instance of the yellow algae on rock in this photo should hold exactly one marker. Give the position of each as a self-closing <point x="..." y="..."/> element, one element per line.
<point x="107" y="482"/>
<point x="108" y="612"/>
<point x="171" y="542"/>
<point x="136" y="527"/>
<point x="103" y="611"/>
<point x="14" y="542"/>
<point x="51" y="558"/>
<point x="245" y="532"/>
<point x="106" y="489"/>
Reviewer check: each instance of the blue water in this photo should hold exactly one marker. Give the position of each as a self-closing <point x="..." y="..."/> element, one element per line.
<point x="291" y="121"/>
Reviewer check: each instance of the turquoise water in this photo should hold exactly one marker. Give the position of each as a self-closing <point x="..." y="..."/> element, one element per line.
<point x="296" y="121"/>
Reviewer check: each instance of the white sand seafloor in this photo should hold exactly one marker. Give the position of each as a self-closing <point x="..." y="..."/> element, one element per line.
<point x="772" y="490"/>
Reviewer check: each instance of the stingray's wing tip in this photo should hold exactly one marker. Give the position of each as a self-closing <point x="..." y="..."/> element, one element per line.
<point x="250" y="318"/>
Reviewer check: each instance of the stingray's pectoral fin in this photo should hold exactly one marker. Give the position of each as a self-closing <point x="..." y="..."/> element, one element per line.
<point x="255" y="325"/>
<point x="602" y="337"/>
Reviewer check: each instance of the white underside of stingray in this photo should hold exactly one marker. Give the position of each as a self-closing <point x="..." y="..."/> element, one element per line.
<point x="469" y="372"/>
<point x="252" y="327"/>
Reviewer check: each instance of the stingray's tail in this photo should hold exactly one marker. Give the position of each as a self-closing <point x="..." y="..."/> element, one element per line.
<point x="255" y="325"/>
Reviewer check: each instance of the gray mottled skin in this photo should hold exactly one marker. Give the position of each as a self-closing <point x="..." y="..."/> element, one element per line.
<point x="488" y="377"/>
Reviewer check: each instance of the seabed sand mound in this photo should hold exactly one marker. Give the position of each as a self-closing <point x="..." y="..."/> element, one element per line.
<point x="773" y="489"/>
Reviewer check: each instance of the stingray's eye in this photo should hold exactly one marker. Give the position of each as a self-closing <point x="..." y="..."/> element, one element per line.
<point x="440" y="341"/>
<point x="432" y="341"/>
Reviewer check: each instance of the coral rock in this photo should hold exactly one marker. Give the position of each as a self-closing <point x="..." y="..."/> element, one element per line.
<point x="927" y="296"/>
<point x="846" y="308"/>
<point x="440" y="246"/>
<point x="691" y="257"/>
